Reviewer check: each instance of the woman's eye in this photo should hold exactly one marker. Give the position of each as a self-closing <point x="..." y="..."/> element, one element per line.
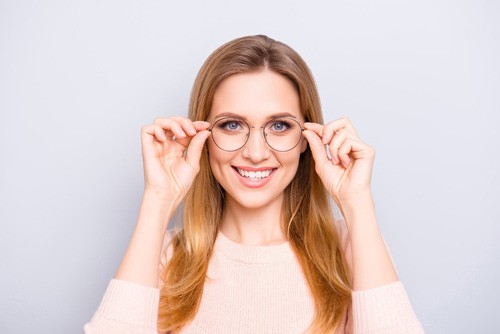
<point x="280" y="126"/>
<point x="231" y="125"/>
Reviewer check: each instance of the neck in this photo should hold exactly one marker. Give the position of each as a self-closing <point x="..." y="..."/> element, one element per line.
<point x="253" y="226"/>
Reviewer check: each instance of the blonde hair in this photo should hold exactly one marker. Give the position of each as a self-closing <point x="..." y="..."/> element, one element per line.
<point x="306" y="215"/>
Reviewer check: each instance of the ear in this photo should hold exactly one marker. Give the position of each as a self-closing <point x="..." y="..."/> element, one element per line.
<point x="303" y="145"/>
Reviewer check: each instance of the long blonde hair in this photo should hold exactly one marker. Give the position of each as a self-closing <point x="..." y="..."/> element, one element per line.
<point x="306" y="212"/>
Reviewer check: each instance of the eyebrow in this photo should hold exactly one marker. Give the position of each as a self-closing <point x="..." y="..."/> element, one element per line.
<point x="273" y="116"/>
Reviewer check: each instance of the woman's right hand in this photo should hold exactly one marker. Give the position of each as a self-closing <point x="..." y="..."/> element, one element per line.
<point x="171" y="150"/>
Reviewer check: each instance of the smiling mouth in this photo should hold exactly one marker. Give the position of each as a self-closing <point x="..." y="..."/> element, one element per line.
<point x="254" y="175"/>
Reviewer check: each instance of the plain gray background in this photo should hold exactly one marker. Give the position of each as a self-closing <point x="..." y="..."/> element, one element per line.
<point x="420" y="80"/>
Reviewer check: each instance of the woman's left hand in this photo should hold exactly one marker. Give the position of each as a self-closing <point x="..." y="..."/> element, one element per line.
<point x="347" y="175"/>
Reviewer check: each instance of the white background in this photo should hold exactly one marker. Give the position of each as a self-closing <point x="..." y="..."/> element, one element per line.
<point x="419" y="79"/>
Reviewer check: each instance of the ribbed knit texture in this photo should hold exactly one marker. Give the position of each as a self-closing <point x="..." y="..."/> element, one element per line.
<point x="126" y="308"/>
<point x="371" y="309"/>
<point x="254" y="289"/>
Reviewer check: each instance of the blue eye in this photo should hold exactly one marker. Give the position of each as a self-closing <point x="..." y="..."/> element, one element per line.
<point x="231" y="125"/>
<point x="280" y="126"/>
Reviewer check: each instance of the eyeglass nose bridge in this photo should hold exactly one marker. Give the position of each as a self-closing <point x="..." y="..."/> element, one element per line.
<point x="264" y="134"/>
<point x="257" y="127"/>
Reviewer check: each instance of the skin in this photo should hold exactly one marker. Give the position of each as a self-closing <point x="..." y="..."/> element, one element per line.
<point x="252" y="215"/>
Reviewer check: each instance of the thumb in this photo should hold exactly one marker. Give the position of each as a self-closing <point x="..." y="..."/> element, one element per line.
<point x="195" y="147"/>
<point x="317" y="147"/>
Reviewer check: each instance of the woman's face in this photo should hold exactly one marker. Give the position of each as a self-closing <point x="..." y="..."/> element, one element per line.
<point x="255" y="175"/>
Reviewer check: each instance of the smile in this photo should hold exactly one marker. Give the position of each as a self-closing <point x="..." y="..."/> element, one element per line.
<point x="254" y="175"/>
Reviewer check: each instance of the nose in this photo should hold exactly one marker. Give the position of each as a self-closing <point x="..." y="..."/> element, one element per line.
<point x="256" y="148"/>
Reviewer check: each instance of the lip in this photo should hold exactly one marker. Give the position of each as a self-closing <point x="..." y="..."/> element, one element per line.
<point x="250" y="183"/>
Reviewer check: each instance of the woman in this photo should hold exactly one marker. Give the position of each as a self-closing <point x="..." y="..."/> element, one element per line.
<point x="259" y="249"/>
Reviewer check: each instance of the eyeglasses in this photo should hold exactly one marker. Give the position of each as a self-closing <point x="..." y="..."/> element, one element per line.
<point x="281" y="134"/>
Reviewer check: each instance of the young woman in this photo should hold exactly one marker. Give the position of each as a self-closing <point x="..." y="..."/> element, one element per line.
<point x="259" y="250"/>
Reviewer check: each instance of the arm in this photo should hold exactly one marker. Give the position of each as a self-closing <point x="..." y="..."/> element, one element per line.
<point x="380" y="304"/>
<point x="371" y="263"/>
<point x="130" y="303"/>
<point x="379" y="301"/>
<point x="170" y="166"/>
<point x="140" y="262"/>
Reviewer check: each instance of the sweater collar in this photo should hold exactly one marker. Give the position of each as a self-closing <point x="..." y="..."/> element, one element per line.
<point x="253" y="254"/>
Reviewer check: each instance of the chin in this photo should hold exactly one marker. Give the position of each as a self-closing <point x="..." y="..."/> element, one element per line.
<point x="254" y="201"/>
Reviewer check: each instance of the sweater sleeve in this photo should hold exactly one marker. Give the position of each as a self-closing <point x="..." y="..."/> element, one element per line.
<point x="382" y="310"/>
<point x="128" y="307"/>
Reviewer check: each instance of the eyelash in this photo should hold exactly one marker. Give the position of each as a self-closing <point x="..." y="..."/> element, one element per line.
<point x="284" y="123"/>
<point x="224" y="125"/>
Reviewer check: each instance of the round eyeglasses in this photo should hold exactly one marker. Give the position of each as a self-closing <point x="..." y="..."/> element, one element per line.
<point x="281" y="134"/>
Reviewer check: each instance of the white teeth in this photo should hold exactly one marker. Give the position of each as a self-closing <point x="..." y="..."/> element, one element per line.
<point x="254" y="175"/>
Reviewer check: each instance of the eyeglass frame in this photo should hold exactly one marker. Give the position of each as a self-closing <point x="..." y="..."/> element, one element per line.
<point x="258" y="127"/>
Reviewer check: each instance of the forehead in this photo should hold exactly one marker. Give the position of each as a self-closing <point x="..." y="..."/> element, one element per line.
<point x="256" y="96"/>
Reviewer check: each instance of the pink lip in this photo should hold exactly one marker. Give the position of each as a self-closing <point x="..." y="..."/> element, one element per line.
<point x="254" y="184"/>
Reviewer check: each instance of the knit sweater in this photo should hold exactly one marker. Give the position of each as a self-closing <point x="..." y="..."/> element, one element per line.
<point x="252" y="289"/>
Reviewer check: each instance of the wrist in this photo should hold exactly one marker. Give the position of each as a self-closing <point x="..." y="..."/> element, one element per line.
<point x="357" y="199"/>
<point x="161" y="195"/>
<point x="358" y="209"/>
<point x="160" y="207"/>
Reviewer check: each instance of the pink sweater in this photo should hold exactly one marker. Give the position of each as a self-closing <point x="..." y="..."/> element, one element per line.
<point x="252" y="289"/>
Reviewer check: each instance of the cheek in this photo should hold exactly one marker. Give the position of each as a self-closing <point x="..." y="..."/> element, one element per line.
<point x="217" y="157"/>
<point x="291" y="160"/>
<point x="214" y="153"/>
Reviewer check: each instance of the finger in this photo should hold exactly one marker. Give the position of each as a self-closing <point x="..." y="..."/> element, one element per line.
<point x="344" y="151"/>
<point x="171" y="125"/>
<point x="338" y="138"/>
<point x="315" y="127"/>
<point x="198" y="126"/>
<point x="353" y="147"/>
<point x="195" y="148"/>
<point x="341" y="123"/>
<point x="201" y="125"/>
<point x="186" y="124"/>
<point x="154" y="131"/>
<point x="160" y="134"/>
<point x="317" y="147"/>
